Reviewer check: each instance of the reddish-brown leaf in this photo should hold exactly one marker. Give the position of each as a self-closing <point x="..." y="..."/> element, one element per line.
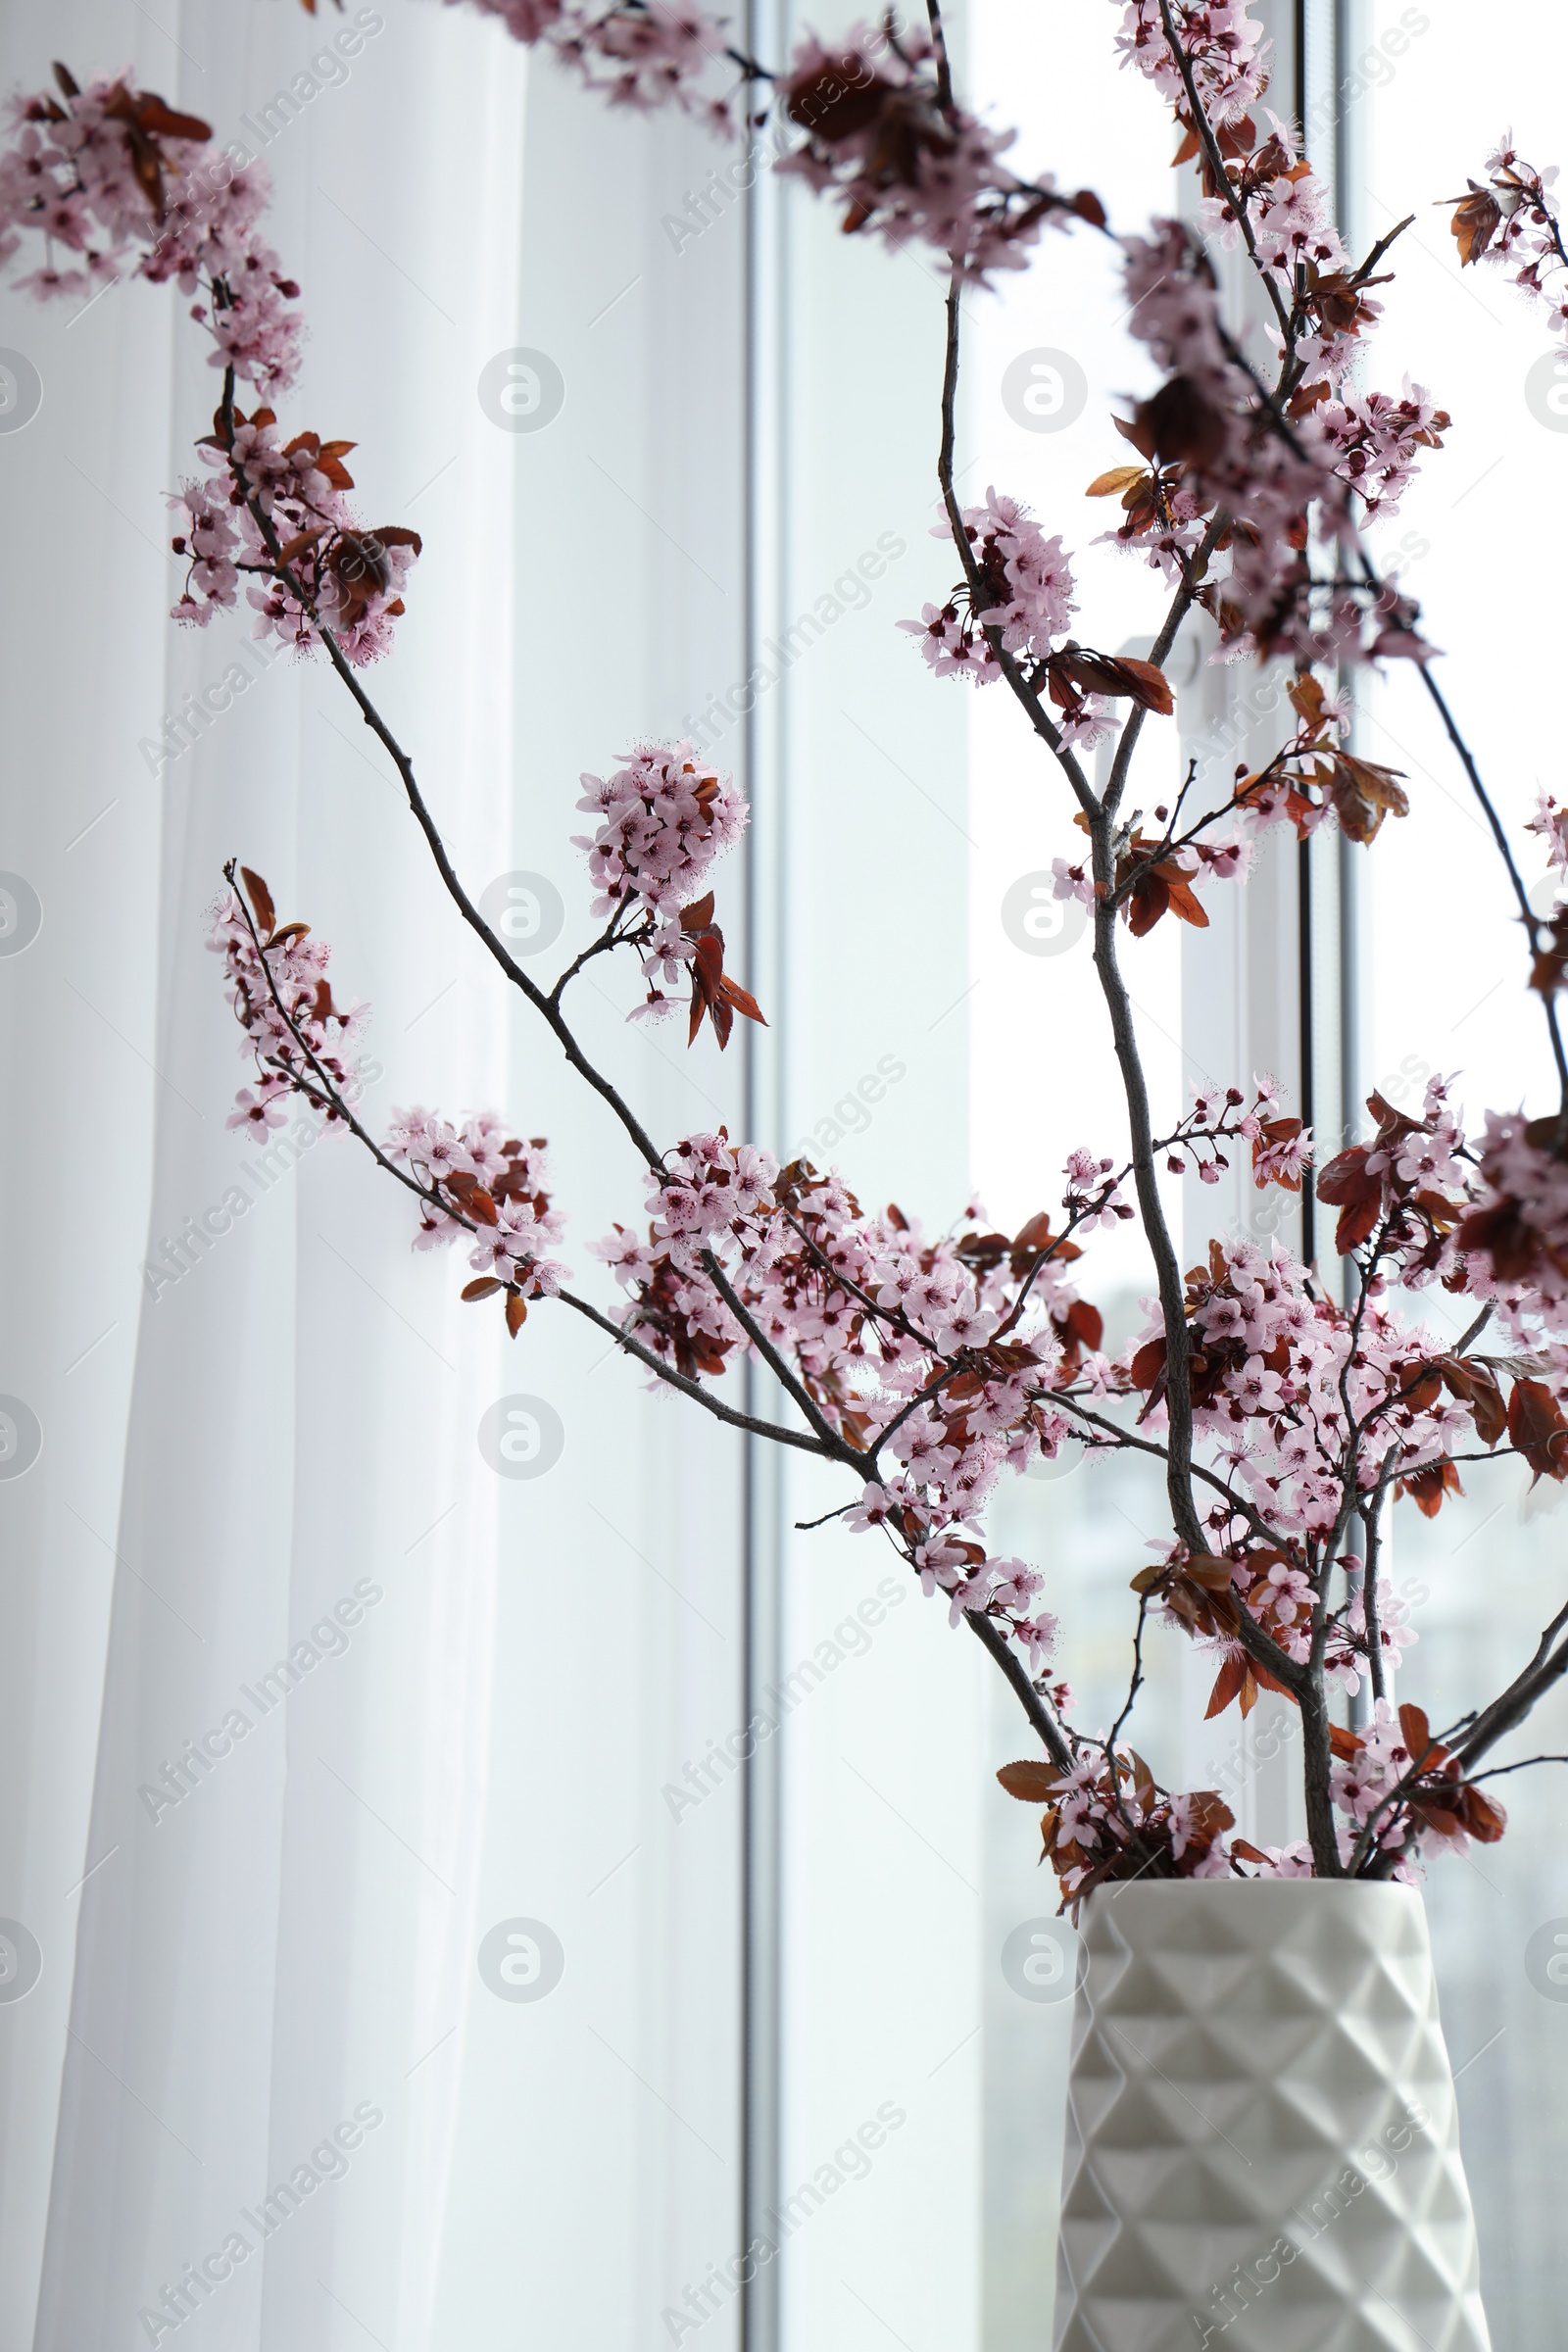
<point x="1146" y="900"/>
<point x="1482" y="1816"/>
<point x="742" y="1000"/>
<point x="1277" y="1130"/>
<point x="1476" y="221"/>
<point x="1084" y="1323"/>
<point x="1035" y="1238"/>
<point x="484" y="1286"/>
<point x="1416" y="1731"/>
<point x="1363" y="794"/>
<point x="1537" y="1429"/>
<point x="1427" y="1487"/>
<point x="1114" y="483"/>
<point x="1113" y="675"/>
<point x="1229" y="1683"/>
<point x="516" y="1310"/>
<point x="294" y="547"/>
<point x="1476" y="1385"/>
<point x="1147" y="684"/>
<point x="1185" y="906"/>
<point x="152" y="114"/>
<point x="1434" y="1814"/>
<point x="1135" y="430"/>
<point x="1345" y="1184"/>
<point x="1183" y="425"/>
<point x="1211" y="1813"/>
<point x="1031" y="1783"/>
<point x="260" y="898"/>
<point x="1507" y="1235"/>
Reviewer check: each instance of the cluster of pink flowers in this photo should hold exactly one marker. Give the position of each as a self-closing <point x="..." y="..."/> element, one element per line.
<point x="1291" y="217"/>
<point x="326" y="571"/>
<point x="1515" y="1237"/>
<point x="946" y="1354"/>
<point x="1212" y="436"/>
<point x="1025" y="594"/>
<point x="1512" y="218"/>
<point x="1217" y="446"/>
<point x="1398" y="1790"/>
<point x="1210" y="421"/>
<point x="1292" y="1392"/>
<point x="299" y="1040"/>
<point x="907" y="163"/>
<point x="1363" y="1780"/>
<point x="1287" y="208"/>
<point x="1276" y="1593"/>
<point x="112" y="175"/>
<point x="1293" y="223"/>
<point x="1226" y="47"/>
<point x="1374" y="443"/>
<point x="1281" y="1147"/>
<point x="1401" y="1791"/>
<point x="664" y="818"/>
<point x="474" y="1179"/>
<point x="489" y="1187"/>
<point x="640" y="54"/>
<point x="1106" y="1817"/>
<point x="1551" y="823"/>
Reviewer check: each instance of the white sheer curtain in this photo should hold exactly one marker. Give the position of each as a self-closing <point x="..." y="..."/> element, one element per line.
<point x="279" y="1447"/>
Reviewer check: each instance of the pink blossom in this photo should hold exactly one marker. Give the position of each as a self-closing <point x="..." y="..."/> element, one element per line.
<point x="1550" y="821"/>
<point x="904" y="163"/>
<point x="339" y="575"/>
<point x="84" y="174"/>
<point x="664" y="817"/>
<point x="1025" y="594"/>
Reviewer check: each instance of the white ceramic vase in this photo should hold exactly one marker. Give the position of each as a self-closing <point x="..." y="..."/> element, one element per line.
<point x="1263" y="2148"/>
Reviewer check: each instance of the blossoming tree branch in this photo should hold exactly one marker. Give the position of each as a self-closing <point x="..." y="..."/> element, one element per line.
<point x="927" y="1366"/>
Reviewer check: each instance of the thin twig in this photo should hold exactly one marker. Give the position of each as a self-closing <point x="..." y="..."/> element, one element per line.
<point x="1500" y="1772"/>
<point x="549" y="1012"/>
<point x="1034" y="1707"/>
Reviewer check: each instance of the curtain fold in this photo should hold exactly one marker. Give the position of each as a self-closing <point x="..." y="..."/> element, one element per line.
<point x="304" y="1701"/>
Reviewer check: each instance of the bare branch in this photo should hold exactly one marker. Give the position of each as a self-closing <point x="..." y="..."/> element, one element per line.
<point x="840" y="1447"/>
<point x="991" y="1637"/>
<point x="1546" y="1668"/>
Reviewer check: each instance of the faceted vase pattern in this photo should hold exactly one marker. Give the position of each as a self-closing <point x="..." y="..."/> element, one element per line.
<point x="1262" y="2146"/>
